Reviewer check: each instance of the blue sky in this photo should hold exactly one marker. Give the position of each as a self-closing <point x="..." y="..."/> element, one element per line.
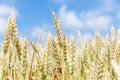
<point x="87" y="16"/>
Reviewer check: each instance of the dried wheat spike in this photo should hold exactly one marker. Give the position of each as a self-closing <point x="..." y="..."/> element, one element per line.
<point x="14" y="33"/>
<point x="48" y="59"/>
<point x="32" y="60"/>
<point x="72" y="57"/>
<point x="64" y="48"/>
<point x="24" y="58"/>
<point x="56" y="56"/>
<point x="97" y="42"/>
<point x="112" y="43"/>
<point x="7" y="36"/>
<point x="101" y="65"/>
<point x="34" y="46"/>
<point x="57" y="28"/>
<point x="85" y="64"/>
<point x="117" y="48"/>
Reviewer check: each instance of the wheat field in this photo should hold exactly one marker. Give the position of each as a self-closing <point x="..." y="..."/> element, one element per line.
<point x="60" y="58"/>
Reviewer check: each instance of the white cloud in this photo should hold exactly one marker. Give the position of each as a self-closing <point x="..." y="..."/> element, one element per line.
<point x="98" y="22"/>
<point x="92" y="19"/>
<point x="5" y="11"/>
<point x="111" y="6"/>
<point x="69" y="18"/>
